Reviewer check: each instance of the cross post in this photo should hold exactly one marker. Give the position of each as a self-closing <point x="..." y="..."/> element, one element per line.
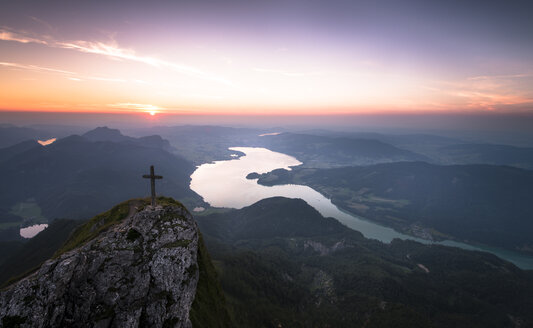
<point x="152" y="178"/>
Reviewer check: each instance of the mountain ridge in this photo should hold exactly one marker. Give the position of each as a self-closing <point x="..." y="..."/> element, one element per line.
<point x="480" y="203"/>
<point x="133" y="265"/>
<point x="338" y="278"/>
<point x="60" y="179"/>
<point x="336" y="151"/>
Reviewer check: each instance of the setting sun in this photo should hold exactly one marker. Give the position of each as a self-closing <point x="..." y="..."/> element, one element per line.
<point x="382" y="66"/>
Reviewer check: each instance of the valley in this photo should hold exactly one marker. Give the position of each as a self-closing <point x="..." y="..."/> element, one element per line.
<point x="233" y="190"/>
<point x="313" y="239"/>
<point x="282" y="263"/>
<point x="266" y="164"/>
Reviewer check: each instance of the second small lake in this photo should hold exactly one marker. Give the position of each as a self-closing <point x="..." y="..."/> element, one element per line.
<point x="32" y="231"/>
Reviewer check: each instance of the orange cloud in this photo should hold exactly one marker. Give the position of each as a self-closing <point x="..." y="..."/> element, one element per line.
<point x="115" y="52"/>
<point x="17" y="37"/>
<point x="36" y="68"/>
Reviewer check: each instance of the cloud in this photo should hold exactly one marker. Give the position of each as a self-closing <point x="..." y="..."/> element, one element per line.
<point x="69" y="74"/>
<point x="113" y="51"/>
<point x="490" y="92"/>
<point x="109" y="50"/>
<point x="36" y="68"/>
<point x="499" y="77"/>
<point x="490" y="100"/>
<point x="6" y="35"/>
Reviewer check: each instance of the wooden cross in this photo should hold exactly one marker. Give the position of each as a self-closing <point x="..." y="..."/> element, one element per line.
<point x="152" y="178"/>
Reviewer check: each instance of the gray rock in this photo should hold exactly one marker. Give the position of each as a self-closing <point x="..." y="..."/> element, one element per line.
<point x="141" y="272"/>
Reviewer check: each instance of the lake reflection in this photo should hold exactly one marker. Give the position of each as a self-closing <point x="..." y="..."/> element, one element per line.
<point x="31" y="231"/>
<point x="46" y="142"/>
<point x="224" y="184"/>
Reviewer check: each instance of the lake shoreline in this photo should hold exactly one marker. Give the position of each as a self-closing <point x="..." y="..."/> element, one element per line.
<point x="226" y="184"/>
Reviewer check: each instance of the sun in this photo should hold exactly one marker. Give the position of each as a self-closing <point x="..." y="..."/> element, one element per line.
<point x="152" y="112"/>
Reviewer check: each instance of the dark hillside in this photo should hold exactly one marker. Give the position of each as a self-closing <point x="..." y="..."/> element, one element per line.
<point x="77" y="178"/>
<point x="38" y="249"/>
<point x="487" y="154"/>
<point x="337" y="278"/>
<point x="11" y="135"/>
<point x="480" y="203"/>
<point x="323" y="151"/>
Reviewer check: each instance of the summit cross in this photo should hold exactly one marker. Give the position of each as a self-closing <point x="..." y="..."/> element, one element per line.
<point x="152" y="178"/>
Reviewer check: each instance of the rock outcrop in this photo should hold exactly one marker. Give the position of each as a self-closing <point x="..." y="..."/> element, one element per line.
<point x="141" y="270"/>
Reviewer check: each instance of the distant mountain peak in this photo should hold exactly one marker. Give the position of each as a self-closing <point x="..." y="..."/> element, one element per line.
<point x="103" y="133"/>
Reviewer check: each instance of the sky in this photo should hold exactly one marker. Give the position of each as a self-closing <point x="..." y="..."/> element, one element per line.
<point x="245" y="57"/>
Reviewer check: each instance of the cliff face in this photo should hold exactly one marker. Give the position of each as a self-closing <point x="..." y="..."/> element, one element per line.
<point x="140" y="270"/>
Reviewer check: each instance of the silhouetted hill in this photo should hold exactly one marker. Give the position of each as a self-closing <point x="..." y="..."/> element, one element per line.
<point x="319" y="273"/>
<point x="488" y="154"/>
<point x="323" y="151"/>
<point x="477" y="203"/>
<point x="11" y="135"/>
<point x="405" y="141"/>
<point x="202" y="143"/>
<point x="77" y="178"/>
<point x="270" y="218"/>
<point x="8" y="152"/>
<point x="445" y="150"/>
<point x="114" y="135"/>
<point x="154" y="141"/>
<point x="104" y="133"/>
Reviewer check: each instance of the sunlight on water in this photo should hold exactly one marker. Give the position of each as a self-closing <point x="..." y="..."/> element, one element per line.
<point x="46" y="142"/>
<point x="224" y="184"/>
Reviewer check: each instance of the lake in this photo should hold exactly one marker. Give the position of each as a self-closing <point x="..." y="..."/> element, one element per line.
<point x="224" y="184"/>
<point x="31" y="231"/>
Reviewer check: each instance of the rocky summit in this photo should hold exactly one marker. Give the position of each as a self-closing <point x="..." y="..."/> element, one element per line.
<point x="135" y="265"/>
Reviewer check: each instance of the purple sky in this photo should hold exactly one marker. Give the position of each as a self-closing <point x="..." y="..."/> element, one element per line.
<point x="267" y="57"/>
